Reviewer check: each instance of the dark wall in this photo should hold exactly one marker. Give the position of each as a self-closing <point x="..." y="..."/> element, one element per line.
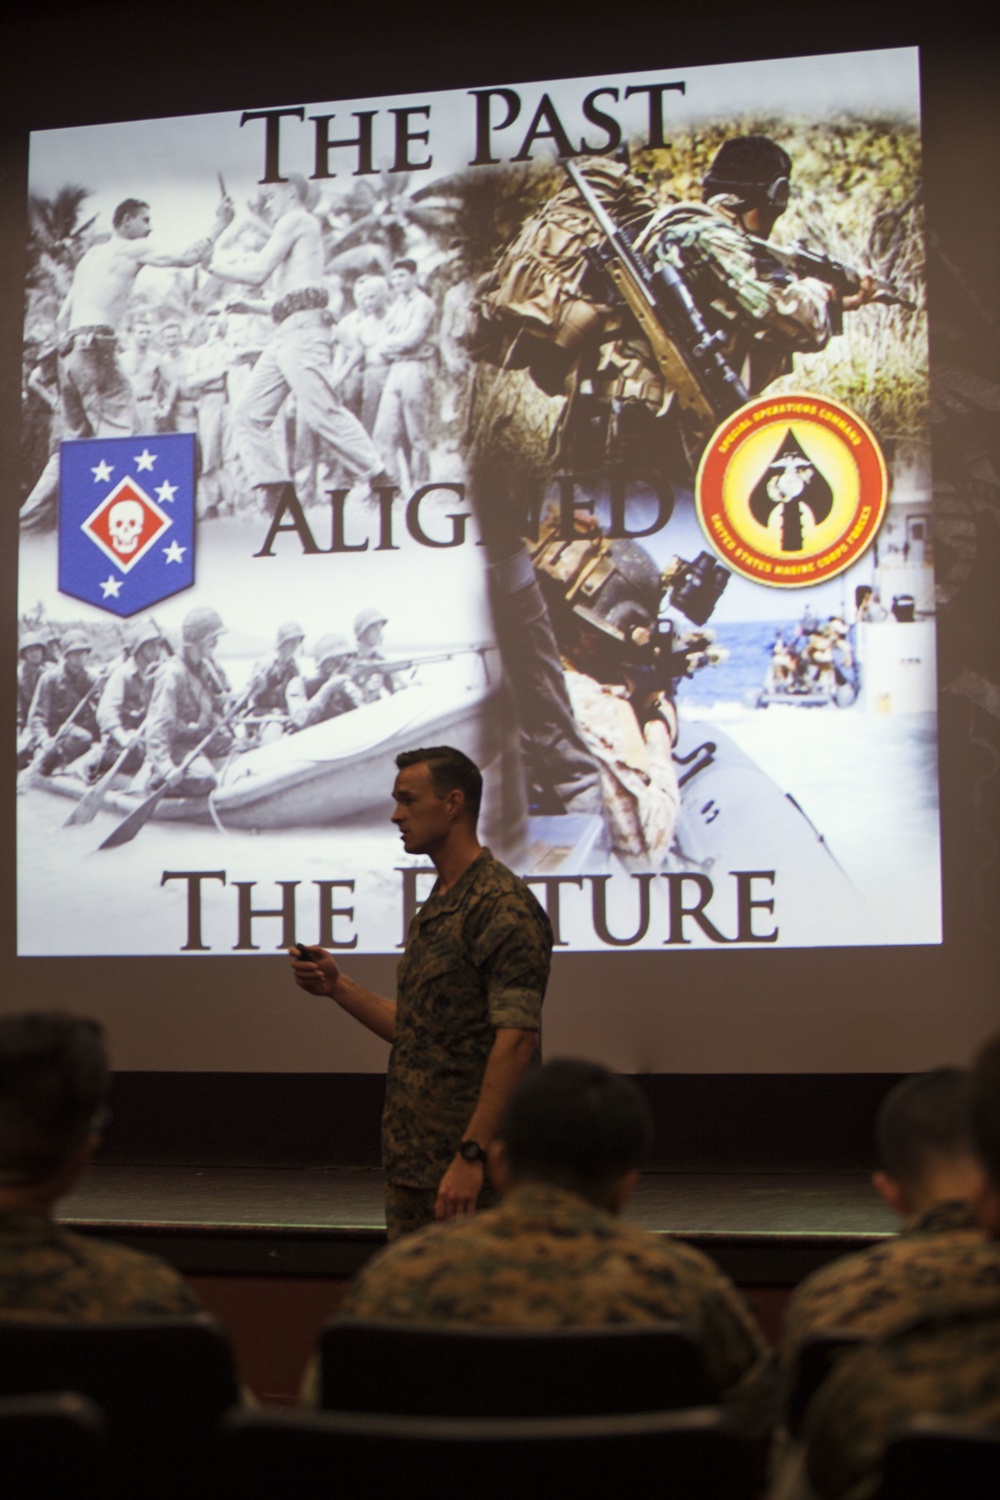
<point x="704" y="1123"/>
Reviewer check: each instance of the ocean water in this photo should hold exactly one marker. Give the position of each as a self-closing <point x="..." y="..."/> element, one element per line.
<point x="743" y="673"/>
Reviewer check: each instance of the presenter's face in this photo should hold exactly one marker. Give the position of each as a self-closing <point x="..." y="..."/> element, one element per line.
<point x="420" y="814"/>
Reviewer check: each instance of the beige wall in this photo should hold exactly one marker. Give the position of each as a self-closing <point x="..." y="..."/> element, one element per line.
<point x="881" y="1010"/>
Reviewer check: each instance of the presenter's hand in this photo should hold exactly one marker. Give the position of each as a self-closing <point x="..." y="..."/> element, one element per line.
<point x="319" y="977"/>
<point x="459" y="1189"/>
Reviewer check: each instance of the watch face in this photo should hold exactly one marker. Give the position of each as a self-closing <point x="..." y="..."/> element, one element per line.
<point x="471" y="1151"/>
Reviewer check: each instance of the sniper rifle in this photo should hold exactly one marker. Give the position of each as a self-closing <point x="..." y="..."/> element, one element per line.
<point x="667" y="314"/>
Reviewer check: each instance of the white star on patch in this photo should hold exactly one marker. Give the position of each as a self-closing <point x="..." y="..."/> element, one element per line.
<point x="145" y="460"/>
<point x="175" y="552"/>
<point x="165" y="491"/>
<point x="102" y="472"/>
<point x="111" y="588"/>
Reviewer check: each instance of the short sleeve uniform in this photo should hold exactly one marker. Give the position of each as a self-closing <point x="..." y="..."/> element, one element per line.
<point x="476" y="960"/>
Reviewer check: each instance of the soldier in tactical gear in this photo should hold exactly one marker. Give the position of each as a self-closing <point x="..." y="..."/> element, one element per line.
<point x="764" y="310"/>
<point x="329" y="691"/>
<point x="125" y="699"/>
<point x="60" y="691"/>
<point x="271" y="676"/>
<point x="190" y="695"/>
<point x="604" y="600"/>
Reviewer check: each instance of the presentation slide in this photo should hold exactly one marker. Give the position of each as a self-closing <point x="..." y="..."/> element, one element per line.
<point x="581" y="424"/>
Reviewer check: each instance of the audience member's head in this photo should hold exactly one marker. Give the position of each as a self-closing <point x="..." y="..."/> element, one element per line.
<point x="985" y="1110"/>
<point x="924" y="1142"/>
<point x="53" y="1084"/>
<point x="577" y="1126"/>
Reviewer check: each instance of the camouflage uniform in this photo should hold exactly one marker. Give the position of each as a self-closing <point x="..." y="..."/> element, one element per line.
<point x="767" y="311"/>
<point x="947" y="1364"/>
<point x="939" y="1256"/>
<point x="47" y="1272"/>
<point x="546" y="1258"/>
<point x="641" y="795"/>
<point x="476" y="959"/>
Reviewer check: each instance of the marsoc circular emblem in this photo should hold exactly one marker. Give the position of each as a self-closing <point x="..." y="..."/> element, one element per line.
<point x="791" y="490"/>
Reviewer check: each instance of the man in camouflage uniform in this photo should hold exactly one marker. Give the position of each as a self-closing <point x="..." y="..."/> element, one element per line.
<point x="190" y="695"/>
<point x="604" y="598"/>
<point x="330" y="690"/>
<point x="53" y="1086"/>
<point x="271" y="676"/>
<point x="555" y="1253"/>
<point x="465" y="1021"/>
<point x="945" y="1362"/>
<point x="125" y="699"/>
<point x="60" y="692"/>
<point x="930" y="1175"/>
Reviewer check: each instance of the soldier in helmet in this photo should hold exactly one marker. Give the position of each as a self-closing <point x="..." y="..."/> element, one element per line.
<point x="30" y="666"/>
<point x="190" y="695"/>
<point x="271" y="675"/>
<point x="604" y="600"/>
<point x="60" y="691"/>
<point x="372" y="679"/>
<point x="329" y="691"/>
<point x="125" y="699"/>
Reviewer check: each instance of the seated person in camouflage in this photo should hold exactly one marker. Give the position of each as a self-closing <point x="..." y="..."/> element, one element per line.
<point x="329" y="691"/>
<point x="53" y="1083"/>
<point x="945" y="1361"/>
<point x="556" y="1253"/>
<point x="930" y="1175"/>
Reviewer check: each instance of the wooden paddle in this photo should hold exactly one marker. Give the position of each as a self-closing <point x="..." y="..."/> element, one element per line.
<point x="130" y="826"/>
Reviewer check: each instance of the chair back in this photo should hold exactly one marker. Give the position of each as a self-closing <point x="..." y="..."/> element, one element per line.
<point x="815" y="1358"/>
<point x="426" y="1370"/>
<point x="161" y="1383"/>
<point x="51" y="1448"/>
<point x="690" y="1455"/>
<point x="933" y="1456"/>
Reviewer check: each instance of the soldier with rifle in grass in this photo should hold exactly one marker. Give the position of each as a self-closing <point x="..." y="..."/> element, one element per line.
<point x="655" y="323"/>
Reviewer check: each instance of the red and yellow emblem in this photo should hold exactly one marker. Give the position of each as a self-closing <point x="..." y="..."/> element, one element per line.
<point x="791" y="490"/>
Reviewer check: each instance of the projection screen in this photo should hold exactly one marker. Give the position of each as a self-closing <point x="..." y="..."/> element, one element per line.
<point x="491" y="416"/>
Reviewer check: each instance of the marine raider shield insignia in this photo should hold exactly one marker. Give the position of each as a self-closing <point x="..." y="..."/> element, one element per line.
<point x="791" y="490"/>
<point x="126" y="520"/>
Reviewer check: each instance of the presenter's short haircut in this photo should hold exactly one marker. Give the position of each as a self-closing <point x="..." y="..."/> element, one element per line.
<point x="451" y="770"/>
<point x="576" y="1125"/>
<point x="53" y="1081"/>
<point x="985" y="1107"/>
<point x="924" y="1117"/>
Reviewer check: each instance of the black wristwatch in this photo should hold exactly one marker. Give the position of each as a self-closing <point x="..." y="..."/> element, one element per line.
<point x="471" y="1151"/>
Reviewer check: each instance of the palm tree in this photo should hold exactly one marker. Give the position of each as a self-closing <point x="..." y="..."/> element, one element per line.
<point x="56" y="238"/>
